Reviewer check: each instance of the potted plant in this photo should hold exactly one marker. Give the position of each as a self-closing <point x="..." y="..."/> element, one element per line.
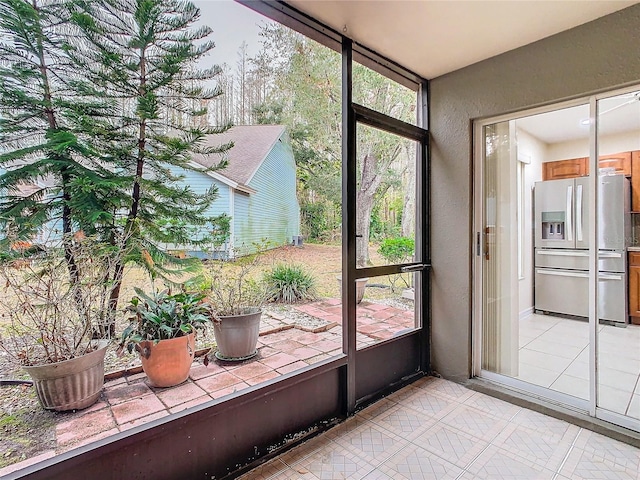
<point x="361" y="284"/>
<point x="236" y="300"/>
<point x="49" y="312"/>
<point x="162" y="329"/>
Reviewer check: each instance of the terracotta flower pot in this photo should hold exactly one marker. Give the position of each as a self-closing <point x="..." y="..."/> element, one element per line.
<point x="72" y="384"/>
<point x="237" y="335"/>
<point x="167" y="363"/>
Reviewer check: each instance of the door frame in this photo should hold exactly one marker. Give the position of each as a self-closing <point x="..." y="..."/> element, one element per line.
<point x="365" y="383"/>
<point x="590" y="406"/>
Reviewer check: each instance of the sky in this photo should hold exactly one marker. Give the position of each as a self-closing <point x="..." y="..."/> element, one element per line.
<point x="232" y="24"/>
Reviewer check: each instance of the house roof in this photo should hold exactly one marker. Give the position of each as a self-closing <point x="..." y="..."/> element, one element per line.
<point x="26" y="189"/>
<point x="252" y="144"/>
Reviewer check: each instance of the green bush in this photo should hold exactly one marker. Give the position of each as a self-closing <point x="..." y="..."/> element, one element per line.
<point x="380" y="228"/>
<point x="314" y="220"/>
<point x="397" y="250"/>
<point x="290" y="284"/>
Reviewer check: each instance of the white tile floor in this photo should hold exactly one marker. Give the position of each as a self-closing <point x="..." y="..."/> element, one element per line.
<point x="554" y="354"/>
<point x="436" y="429"/>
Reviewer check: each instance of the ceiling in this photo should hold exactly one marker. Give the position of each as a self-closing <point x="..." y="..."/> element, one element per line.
<point x="414" y="33"/>
<point x="616" y="115"/>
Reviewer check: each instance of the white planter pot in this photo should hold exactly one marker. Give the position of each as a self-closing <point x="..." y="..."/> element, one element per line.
<point x="237" y="335"/>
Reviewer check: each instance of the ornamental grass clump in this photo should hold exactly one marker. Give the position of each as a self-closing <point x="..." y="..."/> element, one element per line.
<point x="290" y="284"/>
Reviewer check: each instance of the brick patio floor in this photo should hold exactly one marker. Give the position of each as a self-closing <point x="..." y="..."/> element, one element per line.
<point x="283" y="347"/>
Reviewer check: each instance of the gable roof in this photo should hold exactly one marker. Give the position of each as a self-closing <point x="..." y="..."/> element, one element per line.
<point x="252" y="144"/>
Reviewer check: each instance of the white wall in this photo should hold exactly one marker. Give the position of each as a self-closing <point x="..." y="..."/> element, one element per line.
<point x="529" y="147"/>
<point x="623" y="142"/>
<point x="569" y="149"/>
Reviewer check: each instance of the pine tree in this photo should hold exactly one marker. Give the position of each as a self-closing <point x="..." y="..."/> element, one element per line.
<point x="142" y="55"/>
<point x="102" y="106"/>
<point x="42" y="137"/>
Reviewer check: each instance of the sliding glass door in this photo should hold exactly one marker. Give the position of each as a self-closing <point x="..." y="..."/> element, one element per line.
<point x="499" y="252"/>
<point x="554" y="253"/>
<point x="618" y="340"/>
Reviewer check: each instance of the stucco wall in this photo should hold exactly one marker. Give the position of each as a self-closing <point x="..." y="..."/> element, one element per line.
<point x="597" y="56"/>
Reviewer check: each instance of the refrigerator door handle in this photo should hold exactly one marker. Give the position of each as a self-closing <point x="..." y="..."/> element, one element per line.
<point x="609" y="276"/>
<point x="578" y="253"/>
<point x="562" y="273"/>
<point x="569" y="213"/>
<point x="579" y="213"/>
<point x="563" y="253"/>
<point x="609" y="254"/>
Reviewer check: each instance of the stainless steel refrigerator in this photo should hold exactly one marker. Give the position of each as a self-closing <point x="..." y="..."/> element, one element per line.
<point x="562" y="243"/>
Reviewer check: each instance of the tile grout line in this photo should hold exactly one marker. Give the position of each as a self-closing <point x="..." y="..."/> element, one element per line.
<point x="633" y="393"/>
<point x="438" y="422"/>
<point x="470" y="463"/>
<point x="412" y="442"/>
<point x="558" y="375"/>
<point x="566" y="457"/>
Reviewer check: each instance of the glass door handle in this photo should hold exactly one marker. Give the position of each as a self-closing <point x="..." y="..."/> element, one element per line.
<point x="414" y="268"/>
<point x="486" y="242"/>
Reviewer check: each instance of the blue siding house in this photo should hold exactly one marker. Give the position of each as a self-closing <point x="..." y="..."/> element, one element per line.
<point x="257" y="188"/>
<point x="50" y="234"/>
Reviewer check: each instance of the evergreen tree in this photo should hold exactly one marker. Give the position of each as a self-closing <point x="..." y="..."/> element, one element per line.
<point x="143" y="56"/>
<point x="102" y="107"/>
<point x="45" y="161"/>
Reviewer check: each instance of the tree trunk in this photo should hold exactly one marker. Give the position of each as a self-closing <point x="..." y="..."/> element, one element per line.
<point x="364" y="205"/>
<point x="65" y="180"/>
<point x="109" y="329"/>
<point x="369" y="183"/>
<point x="409" y="205"/>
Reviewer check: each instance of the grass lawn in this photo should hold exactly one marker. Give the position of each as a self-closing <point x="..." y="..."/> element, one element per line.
<point x="322" y="261"/>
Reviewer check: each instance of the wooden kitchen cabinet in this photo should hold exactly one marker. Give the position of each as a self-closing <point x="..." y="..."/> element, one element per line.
<point x="634" y="287"/>
<point x="635" y="181"/>
<point x="575" y="167"/>
<point x="579" y="167"/>
<point x="620" y="162"/>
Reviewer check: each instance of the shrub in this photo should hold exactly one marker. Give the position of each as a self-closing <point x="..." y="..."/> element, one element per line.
<point x="232" y="286"/>
<point x="290" y="284"/>
<point x="314" y="220"/>
<point x="47" y="317"/>
<point x="397" y="250"/>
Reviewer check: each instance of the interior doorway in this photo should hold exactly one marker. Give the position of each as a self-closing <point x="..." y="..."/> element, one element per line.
<point x="555" y="216"/>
